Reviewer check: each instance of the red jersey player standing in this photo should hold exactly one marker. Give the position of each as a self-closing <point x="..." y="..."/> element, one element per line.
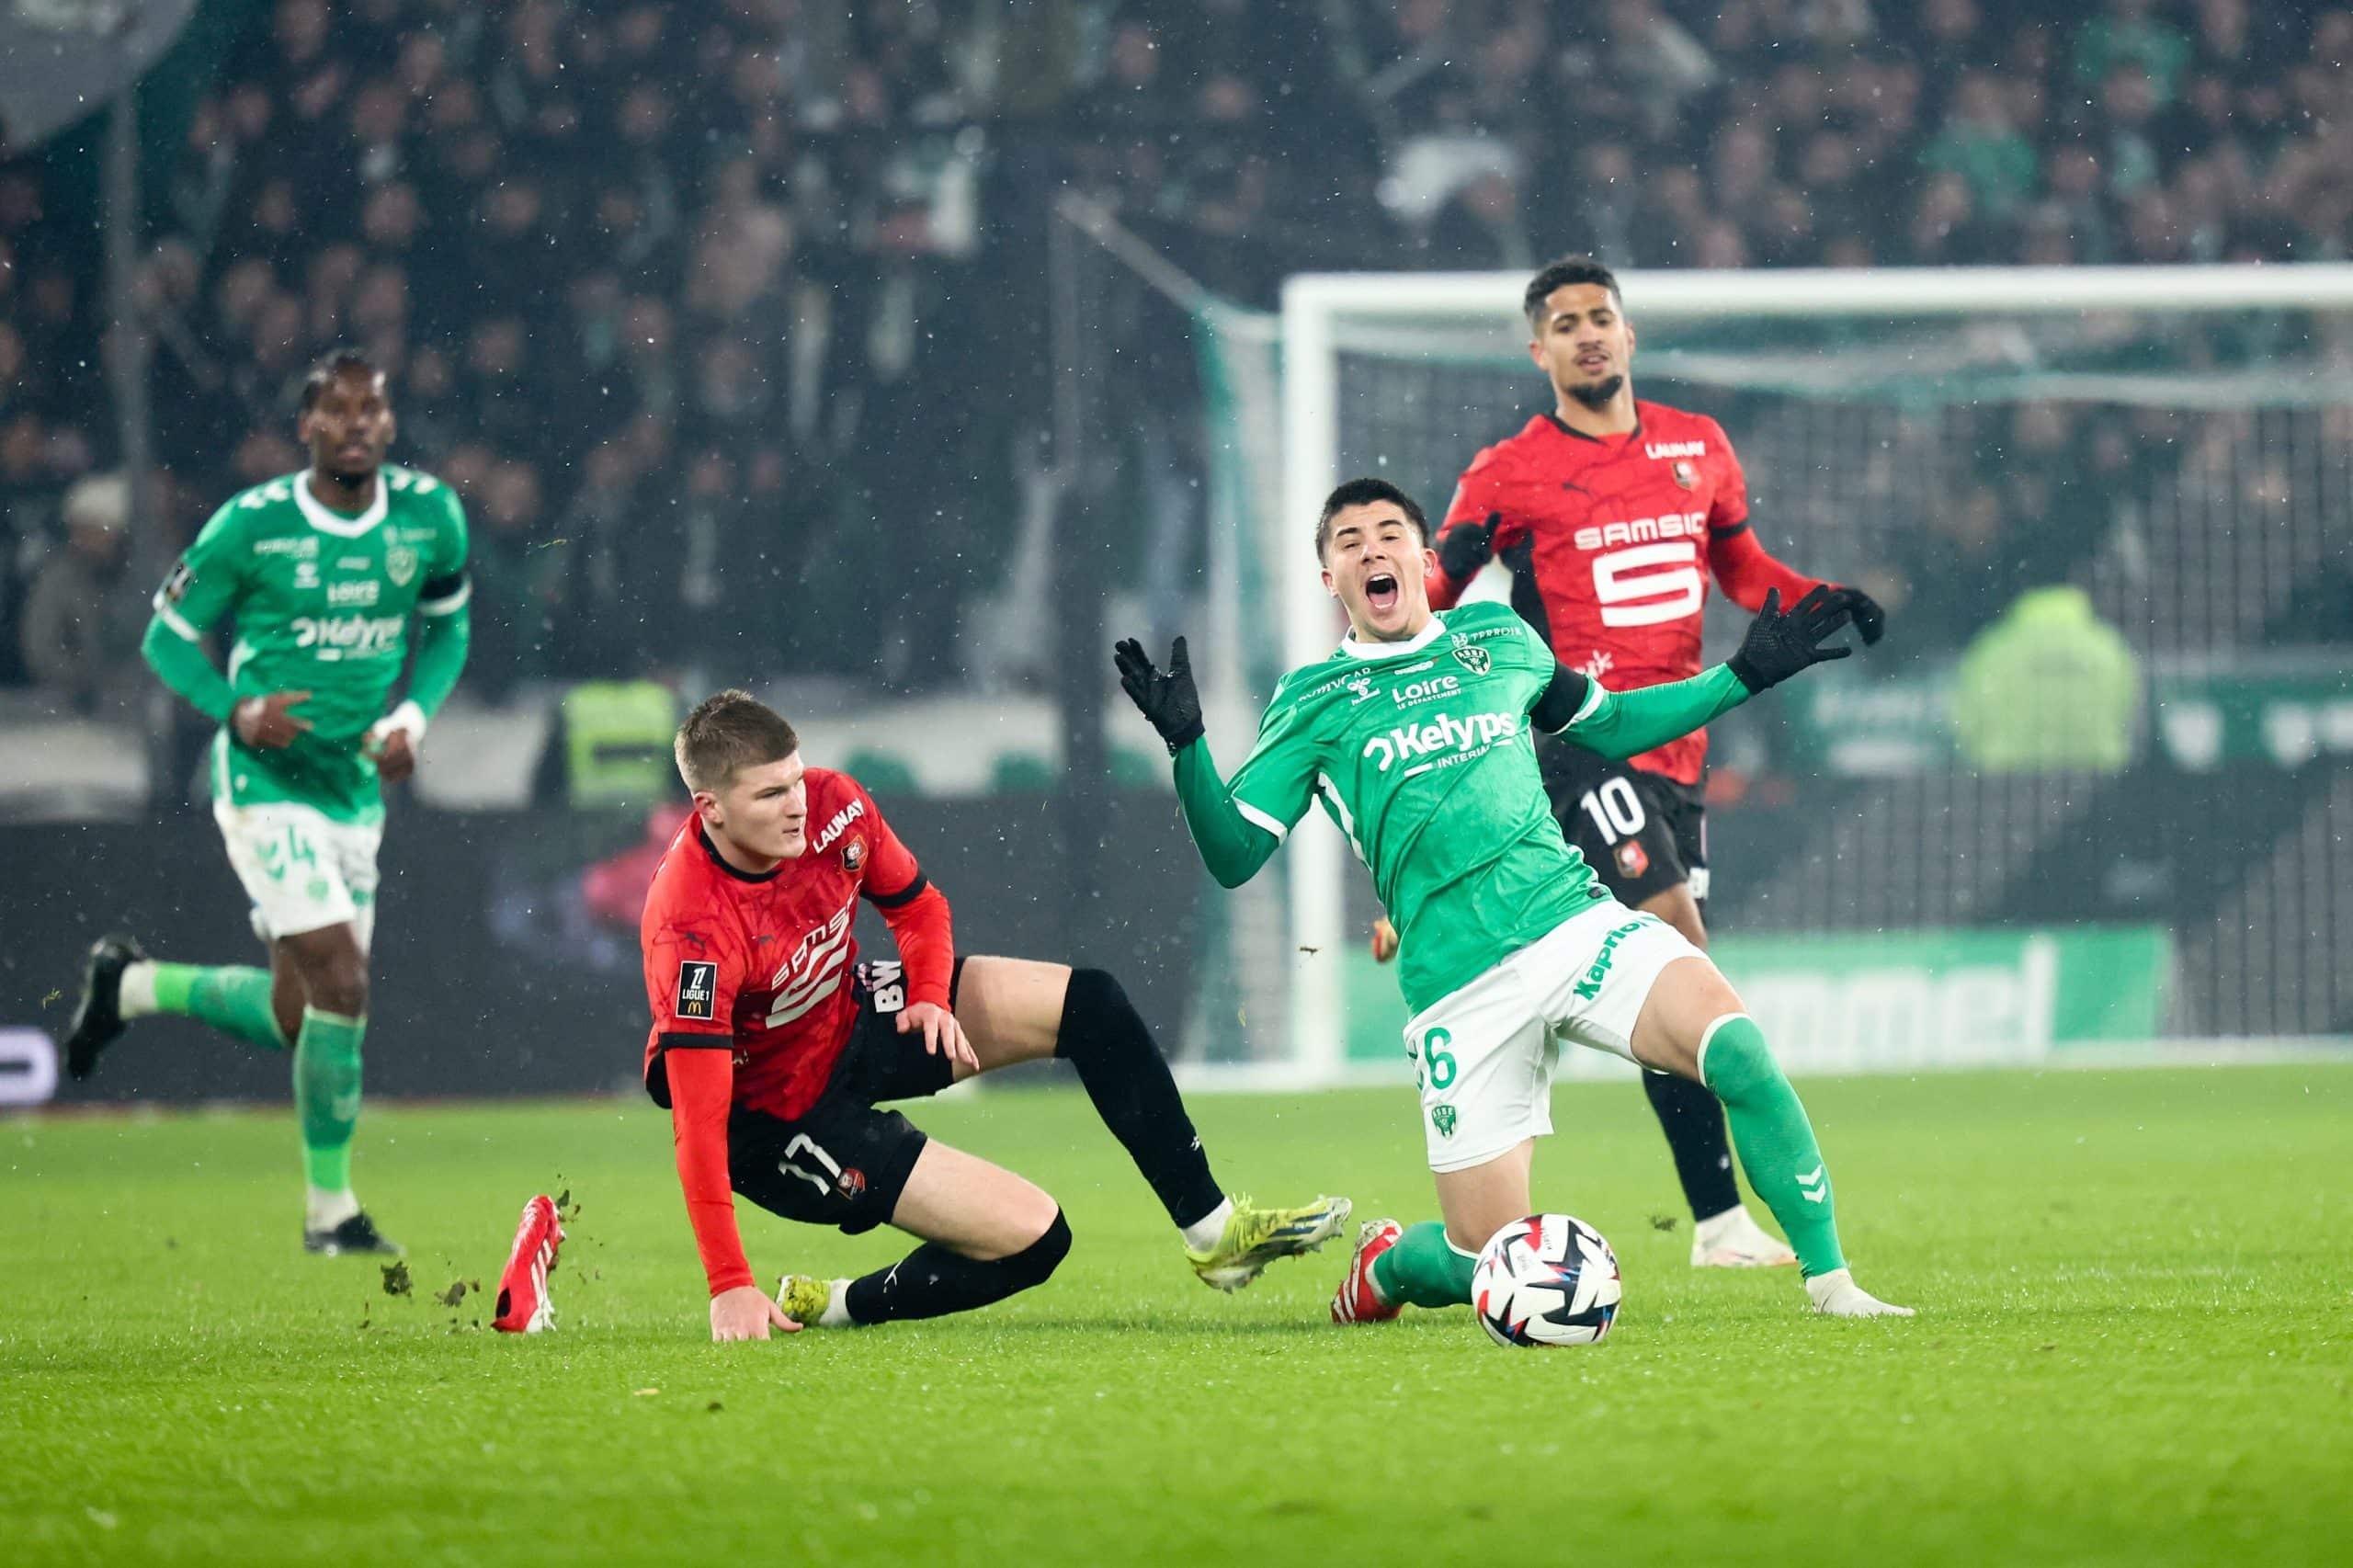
<point x="1612" y="514"/>
<point x="772" y="1047"/>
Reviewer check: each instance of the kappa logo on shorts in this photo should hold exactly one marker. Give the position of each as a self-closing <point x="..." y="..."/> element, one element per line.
<point x="1599" y="970"/>
<point x="1442" y="1118"/>
<point x="698" y="989"/>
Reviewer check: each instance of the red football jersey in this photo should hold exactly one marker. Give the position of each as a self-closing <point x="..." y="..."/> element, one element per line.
<point x="1611" y="540"/>
<point x="768" y="958"/>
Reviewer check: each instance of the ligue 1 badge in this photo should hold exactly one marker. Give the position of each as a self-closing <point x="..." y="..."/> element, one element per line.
<point x="1687" y="473"/>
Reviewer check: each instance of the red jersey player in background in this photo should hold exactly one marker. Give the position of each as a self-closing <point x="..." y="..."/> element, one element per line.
<point x="1612" y="514"/>
<point x="771" y="1046"/>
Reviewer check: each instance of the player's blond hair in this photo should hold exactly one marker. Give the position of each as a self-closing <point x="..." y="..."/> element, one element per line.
<point x="728" y="731"/>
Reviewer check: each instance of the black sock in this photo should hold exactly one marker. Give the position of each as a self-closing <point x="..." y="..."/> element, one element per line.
<point x="1693" y="1120"/>
<point x="933" y="1281"/>
<point x="1104" y="1036"/>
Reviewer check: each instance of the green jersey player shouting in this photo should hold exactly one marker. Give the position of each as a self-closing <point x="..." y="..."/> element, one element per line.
<point x="1415" y="734"/>
<point x="318" y="576"/>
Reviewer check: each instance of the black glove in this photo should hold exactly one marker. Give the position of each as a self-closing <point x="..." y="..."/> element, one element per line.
<point x="1169" y="700"/>
<point x="1870" y="620"/>
<point x="1466" y="547"/>
<point x="1778" y="646"/>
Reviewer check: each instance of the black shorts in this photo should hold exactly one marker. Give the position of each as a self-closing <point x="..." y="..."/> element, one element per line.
<point x="845" y="1163"/>
<point x="1641" y="833"/>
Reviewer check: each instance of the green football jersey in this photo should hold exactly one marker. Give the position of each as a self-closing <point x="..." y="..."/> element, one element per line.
<point x="1423" y="752"/>
<point x="318" y="601"/>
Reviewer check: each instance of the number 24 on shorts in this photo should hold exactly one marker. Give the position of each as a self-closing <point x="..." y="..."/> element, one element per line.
<point x="1433" y="1064"/>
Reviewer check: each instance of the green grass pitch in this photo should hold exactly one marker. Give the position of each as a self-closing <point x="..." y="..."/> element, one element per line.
<point x="2135" y="1346"/>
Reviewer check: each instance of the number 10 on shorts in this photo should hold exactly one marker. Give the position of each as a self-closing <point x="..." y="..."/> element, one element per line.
<point x="1433" y="1060"/>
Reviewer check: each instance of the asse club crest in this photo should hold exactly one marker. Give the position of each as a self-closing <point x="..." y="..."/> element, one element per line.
<point x="400" y="564"/>
<point x="1472" y="657"/>
<point x="1442" y="1118"/>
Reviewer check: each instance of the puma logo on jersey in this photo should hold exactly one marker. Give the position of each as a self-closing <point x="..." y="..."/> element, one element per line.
<point x="1440" y="735"/>
<point x="1676" y="449"/>
<point x="841" y="820"/>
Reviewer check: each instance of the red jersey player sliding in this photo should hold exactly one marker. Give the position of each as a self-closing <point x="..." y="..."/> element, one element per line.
<point x="1611" y="512"/>
<point x="772" y="1048"/>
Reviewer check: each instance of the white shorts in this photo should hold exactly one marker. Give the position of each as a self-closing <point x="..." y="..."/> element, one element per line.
<point x="1483" y="1055"/>
<point x="303" y="871"/>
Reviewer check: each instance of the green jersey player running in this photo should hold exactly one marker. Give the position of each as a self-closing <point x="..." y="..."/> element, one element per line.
<point x="319" y="575"/>
<point x="1415" y="736"/>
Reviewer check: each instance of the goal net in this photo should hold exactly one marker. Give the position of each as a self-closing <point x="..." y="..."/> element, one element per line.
<point x="2176" y="442"/>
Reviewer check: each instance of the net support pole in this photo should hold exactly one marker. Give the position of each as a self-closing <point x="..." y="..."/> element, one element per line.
<point x="1311" y="454"/>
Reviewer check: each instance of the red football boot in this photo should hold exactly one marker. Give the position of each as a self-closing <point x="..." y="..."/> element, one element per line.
<point x="1356" y="1300"/>
<point x="523" y="1303"/>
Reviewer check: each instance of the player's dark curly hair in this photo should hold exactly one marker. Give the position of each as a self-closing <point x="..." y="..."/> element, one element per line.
<point x="1566" y="273"/>
<point x="1364" y="492"/>
<point x="324" y="373"/>
<point x="728" y="731"/>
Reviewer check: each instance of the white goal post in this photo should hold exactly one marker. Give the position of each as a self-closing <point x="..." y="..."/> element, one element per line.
<point x="1324" y="314"/>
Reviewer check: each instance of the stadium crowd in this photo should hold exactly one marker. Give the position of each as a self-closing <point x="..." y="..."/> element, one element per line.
<point x="697" y="303"/>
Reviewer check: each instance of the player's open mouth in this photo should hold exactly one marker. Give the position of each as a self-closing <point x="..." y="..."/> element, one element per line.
<point x="1593" y="364"/>
<point x="1380" y="592"/>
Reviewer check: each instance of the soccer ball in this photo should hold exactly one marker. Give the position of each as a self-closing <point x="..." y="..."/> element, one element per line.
<point x="1547" y="1280"/>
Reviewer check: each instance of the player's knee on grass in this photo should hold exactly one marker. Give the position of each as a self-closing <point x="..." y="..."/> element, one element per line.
<point x="1035" y="1215"/>
<point x="1035" y="1264"/>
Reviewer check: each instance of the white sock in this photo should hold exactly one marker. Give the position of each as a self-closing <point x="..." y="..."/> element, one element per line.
<point x="836" y="1313"/>
<point x="324" y="1211"/>
<point x="137" y="998"/>
<point x="1210" y="1229"/>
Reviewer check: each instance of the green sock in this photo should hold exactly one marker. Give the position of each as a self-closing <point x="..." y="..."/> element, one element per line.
<point x="1423" y="1269"/>
<point x="1776" y="1142"/>
<point x="326" y="1094"/>
<point x="233" y="998"/>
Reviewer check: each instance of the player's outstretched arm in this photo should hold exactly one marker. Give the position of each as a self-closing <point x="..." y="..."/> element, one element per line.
<point x="1628" y="724"/>
<point x="1620" y="724"/>
<point x="1747" y="573"/>
<point x="1231" y="846"/>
